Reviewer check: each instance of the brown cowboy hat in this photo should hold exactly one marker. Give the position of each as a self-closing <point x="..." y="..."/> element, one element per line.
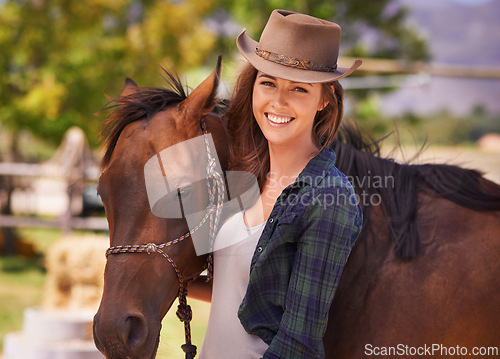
<point x="296" y="47"/>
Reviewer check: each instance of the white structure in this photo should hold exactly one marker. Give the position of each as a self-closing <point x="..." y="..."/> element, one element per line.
<point x="53" y="334"/>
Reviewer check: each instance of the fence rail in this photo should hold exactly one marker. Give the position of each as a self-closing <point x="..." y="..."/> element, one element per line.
<point x="64" y="221"/>
<point x="39" y="170"/>
<point x="90" y="223"/>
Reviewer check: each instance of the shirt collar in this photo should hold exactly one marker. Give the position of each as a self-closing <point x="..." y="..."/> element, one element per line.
<point x="317" y="168"/>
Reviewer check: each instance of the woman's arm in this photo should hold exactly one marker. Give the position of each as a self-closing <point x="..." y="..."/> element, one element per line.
<point x="201" y="289"/>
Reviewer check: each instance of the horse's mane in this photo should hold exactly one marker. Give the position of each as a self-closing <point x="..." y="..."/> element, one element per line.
<point x="359" y="158"/>
<point x="144" y="103"/>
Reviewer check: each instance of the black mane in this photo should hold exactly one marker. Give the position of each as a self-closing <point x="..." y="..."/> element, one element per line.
<point x="360" y="160"/>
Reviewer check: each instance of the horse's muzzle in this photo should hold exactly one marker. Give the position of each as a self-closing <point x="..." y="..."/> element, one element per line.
<point x="123" y="336"/>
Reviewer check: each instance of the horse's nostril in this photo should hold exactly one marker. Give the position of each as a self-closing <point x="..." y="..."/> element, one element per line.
<point x="136" y="332"/>
<point x="120" y="336"/>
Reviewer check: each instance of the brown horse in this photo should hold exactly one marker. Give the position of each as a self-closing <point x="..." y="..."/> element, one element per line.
<point x="139" y="289"/>
<point x="423" y="279"/>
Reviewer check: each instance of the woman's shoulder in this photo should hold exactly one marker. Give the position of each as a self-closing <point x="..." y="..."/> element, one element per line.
<point x="321" y="174"/>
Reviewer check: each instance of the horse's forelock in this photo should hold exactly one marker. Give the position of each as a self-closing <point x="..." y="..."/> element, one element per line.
<point x="145" y="103"/>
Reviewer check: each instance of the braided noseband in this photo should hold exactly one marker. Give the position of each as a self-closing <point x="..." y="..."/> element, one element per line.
<point x="212" y="214"/>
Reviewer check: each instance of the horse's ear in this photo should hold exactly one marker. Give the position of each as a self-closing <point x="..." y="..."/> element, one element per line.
<point x="129" y="88"/>
<point x="203" y="98"/>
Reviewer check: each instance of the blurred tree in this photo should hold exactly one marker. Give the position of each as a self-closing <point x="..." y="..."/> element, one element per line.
<point x="60" y="57"/>
<point x="369" y="28"/>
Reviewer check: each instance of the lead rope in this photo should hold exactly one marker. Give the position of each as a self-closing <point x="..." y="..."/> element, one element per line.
<point x="214" y="213"/>
<point x="184" y="312"/>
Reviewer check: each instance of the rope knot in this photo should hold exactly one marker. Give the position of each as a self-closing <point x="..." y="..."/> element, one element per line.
<point x="189" y="349"/>
<point x="184" y="313"/>
<point x="151" y="247"/>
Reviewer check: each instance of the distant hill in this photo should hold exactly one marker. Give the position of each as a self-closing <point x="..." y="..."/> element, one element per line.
<point x="457" y="34"/>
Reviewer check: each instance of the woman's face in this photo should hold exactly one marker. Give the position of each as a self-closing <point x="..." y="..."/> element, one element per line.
<point x="285" y="110"/>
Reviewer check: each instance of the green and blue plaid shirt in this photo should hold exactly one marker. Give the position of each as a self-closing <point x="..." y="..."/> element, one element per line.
<point x="298" y="261"/>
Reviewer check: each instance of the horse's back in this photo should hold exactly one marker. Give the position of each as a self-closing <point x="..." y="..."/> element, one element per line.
<point x="448" y="295"/>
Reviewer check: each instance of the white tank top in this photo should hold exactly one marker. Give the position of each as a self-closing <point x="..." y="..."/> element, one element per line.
<point x="225" y="337"/>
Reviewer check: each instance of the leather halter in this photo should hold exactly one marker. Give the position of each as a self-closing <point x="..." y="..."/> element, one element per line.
<point x="212" y="214"/>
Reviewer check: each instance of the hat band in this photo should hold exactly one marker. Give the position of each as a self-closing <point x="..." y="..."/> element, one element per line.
<point x="293" y="62"/>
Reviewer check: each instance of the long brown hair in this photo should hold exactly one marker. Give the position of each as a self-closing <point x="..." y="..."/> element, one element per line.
<point x="249" y="148"/>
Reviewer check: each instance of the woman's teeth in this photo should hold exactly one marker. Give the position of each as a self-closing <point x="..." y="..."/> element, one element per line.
<point x="278" y="119"/>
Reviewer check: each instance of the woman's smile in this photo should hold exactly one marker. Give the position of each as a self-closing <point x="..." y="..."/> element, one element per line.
<point x="278" y="119"/>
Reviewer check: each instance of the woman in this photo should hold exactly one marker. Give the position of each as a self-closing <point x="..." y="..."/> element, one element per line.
<point x="273" y="289"/>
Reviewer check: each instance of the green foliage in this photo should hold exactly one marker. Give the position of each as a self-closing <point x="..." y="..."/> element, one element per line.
<point x="367" y="114"/>
<point x="60" y="58"/>
<point x="447" y="128"/>
<point x="483" y="122"/>
<point x="443" y="127"/>
<point x="384" y="20"/>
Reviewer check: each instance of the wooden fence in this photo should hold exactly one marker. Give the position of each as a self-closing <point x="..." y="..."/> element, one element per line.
<point x="74" y="167"/>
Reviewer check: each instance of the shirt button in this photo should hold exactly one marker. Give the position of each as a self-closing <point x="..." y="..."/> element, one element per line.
<point x="271" y="220"/>
<point x="259" y="249"/>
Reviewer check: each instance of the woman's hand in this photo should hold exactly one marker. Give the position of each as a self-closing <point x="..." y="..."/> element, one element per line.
<point x="200" y="289"/>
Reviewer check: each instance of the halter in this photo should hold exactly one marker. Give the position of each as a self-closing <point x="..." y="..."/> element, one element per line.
<point x="213" y="212"/>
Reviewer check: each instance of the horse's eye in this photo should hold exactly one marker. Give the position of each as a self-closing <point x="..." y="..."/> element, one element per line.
<point x="184" y="191"/>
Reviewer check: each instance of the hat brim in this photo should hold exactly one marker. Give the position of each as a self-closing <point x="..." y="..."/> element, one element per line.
<point x="247" y="46"/>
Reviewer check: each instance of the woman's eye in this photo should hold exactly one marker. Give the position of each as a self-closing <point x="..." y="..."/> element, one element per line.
<point x="300" y="89"/>
<point x="267" y="83"/>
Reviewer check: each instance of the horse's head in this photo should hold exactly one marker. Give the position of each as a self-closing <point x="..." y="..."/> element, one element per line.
<point x="139" y="288"/>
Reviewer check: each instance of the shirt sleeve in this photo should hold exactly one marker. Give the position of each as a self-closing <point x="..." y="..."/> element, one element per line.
<point x="331" y="227"/>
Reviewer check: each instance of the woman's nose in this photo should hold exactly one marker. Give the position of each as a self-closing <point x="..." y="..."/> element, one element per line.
<point x="280" y="99"/>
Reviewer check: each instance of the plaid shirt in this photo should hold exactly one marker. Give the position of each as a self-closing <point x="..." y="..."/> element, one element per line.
<point x="298" y="261"/>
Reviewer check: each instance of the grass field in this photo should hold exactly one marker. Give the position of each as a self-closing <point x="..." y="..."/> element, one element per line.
<point x="22" y="281"/>
<point x="172" y="333"/>
<point x="21" y="286"/>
